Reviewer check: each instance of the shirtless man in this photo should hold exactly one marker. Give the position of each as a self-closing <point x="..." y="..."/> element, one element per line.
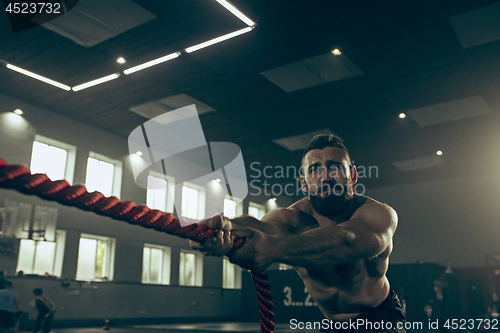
<point x="339" y="242"/>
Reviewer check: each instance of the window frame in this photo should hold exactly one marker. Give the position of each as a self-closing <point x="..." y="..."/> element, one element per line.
<point x="57" y="263"/>
<point x="201" y="200"/>
<point x="236" y="284"/>
<point x="261" y="208"/>
<point x="110" y="261"/>
<point x="166" y="264"/>
<point x="170" y="190"/>
<point x="117" y="173"/>
<point x="198" y="268"/>
<point x="238" y="209"/>
<point x="69" y="169"/>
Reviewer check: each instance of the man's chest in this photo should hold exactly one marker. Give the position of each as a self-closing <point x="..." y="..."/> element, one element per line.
<point x="341" y="276"/>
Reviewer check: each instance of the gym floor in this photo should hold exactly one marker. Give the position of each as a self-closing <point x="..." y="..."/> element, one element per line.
<point x="195" y="328"/>
<point x="183" y="328"/>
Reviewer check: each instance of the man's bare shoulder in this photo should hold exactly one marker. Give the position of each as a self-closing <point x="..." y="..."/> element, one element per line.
<point x="376" y="212"/>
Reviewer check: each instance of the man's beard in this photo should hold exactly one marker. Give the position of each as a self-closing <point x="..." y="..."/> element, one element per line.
<point x="333" y="204"/>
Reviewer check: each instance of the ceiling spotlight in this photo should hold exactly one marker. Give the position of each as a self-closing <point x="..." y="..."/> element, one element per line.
<point x="336" y="52"/>
<point x="273" y="199"/>
<point x="439" y="152"/>
<point x="402" y="115"/>
<point x="139" y="153"/>
<point x="18" y="111"/>
<point x="121" y="60"/>
<point x="218" y="180"/>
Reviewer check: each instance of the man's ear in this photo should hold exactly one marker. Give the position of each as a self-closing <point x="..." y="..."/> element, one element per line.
<point x="354" y="174"/>
<point x="303" y="184"/>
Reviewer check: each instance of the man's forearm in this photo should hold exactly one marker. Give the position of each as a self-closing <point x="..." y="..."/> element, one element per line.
<point x="246" y="221"/>
<point x="320" y="248"/>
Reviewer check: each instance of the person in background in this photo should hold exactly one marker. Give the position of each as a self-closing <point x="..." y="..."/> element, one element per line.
<point x="9" y="299"/>
<point x="46" y="309"/>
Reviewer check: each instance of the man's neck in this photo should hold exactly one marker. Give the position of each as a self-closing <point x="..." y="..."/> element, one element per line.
<point x="336" y="219"/>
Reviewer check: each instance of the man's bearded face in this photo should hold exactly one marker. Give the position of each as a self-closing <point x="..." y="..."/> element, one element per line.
<point x="331" y="202"/>
<point x="327" y="180"/>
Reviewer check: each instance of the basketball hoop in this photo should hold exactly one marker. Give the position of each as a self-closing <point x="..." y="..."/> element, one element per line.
<point x="25" y="221"/>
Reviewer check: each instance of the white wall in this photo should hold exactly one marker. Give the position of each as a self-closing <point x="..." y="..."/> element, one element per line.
<point x="455" y="221"/>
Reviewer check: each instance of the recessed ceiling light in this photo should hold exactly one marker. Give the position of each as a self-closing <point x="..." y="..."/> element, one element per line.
<point x="236" y="12"/>
<point x="402" y="115"/>
<point x="121" y="60"/>
<point x="439" y="152"/>
<point x="218" y="40"/>
<point x="18" y="111"/>
<point x="95" y="82"/>
<point x="218" y="180"/>
<point x="151" y="63"/>
<point x="139" y="153"/>
<point x="336" y="52"/>
<point x="38" y="77"/>
<point x="273" y="199"/>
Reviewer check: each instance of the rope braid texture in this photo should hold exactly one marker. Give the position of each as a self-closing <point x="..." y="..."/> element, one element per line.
<point x="19" y="178"/>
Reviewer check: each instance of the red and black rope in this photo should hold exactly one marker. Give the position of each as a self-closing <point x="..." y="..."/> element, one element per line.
<point x="19" y="178"/>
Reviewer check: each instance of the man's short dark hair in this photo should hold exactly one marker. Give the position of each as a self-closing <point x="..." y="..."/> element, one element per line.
<point x="322" y="141"/>
<point x="38" y="291"/>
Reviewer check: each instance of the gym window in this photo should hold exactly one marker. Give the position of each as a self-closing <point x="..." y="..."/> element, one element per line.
<point x="190" y="268"/>
<point x="104" y="174"/>
<point x="156" y="264"/>
<point x="40" y="257"/>
<point x="256" y="210"/>
<point x="54" y="158"/>
<point x="96" y="256"/>
<point x="193" y="201"/>
<point x="231" y="275"/>
<point x="231" y="209"/>
<point x="158" y="195"/>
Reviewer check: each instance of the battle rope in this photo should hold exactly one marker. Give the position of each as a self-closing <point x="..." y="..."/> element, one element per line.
<point x="19" y="178"/>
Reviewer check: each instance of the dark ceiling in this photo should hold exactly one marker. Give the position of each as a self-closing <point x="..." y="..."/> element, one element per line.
<point x="407" y="50"/>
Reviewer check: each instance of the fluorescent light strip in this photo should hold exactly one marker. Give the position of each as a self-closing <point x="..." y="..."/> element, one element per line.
<point x="151" y="63"/>
<point x="218" y="40"/>
<point x="95" y="82"/>
<point x="38" y="77"/>
<point x="236" y="12"/>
